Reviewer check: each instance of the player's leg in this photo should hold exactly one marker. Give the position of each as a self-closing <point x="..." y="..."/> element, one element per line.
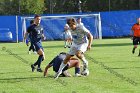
<point x="63" y="64"/>
<point x="40" y="58"/>
<point x="69" y="43"/>
<point x="80" y="54"/>
<point x="139" y="53"/>
<point x="32" y="47"/>
<point x="75" y="63"/>
<point x="135" y="43"/>
<point x="139" y="49"/>
<point x="65" y="43"/>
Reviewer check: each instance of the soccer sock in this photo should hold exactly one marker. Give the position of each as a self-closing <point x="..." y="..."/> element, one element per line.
<point x="40" y="60"/>
<point x="77" y="70"/>
<point x="85" y="62"/>
<point x="61" y="67"/>
<point x="65" y="43"/>
<point x="134" y="49"/>
<point x="35" y="63"/>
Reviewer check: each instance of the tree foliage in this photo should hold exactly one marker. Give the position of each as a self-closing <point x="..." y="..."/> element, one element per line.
<point x="22" y="7"/>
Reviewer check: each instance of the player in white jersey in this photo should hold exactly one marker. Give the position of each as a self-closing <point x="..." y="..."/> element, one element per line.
<point x="67" y="36"/>
<point x="82" y="40"/>
<point x="79" y="21"/>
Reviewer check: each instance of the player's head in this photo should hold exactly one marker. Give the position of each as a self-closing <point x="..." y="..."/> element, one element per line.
<point x="66" y="27"/>
<point x="72" y="23"/>
<point x="31" y="22"/>
<point x="138" y="20"/>
<point x="37" y="19"/>
<point x="79" y="20"/>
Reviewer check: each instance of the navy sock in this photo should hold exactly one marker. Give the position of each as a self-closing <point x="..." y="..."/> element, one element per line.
<point x="39" y="60"/>
<point x="35" y="63"/>
<point x="77" y="70"/>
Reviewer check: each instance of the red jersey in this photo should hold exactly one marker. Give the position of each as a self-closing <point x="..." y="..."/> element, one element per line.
<point x="136" y="30"/>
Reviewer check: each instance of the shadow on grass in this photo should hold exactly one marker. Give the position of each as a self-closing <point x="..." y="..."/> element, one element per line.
<point x="13" y="72"/>
<point x="127" y="68"/>
<point x="111" y="45"/>
<point x="20" y="79"/>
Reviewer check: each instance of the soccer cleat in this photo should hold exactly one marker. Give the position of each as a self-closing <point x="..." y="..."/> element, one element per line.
<point x="139" y="55"/>
<point x="78" y="75"/>
<point x="39" y="70"/>
<point x="68" y="46"/>
<point x="57" y="75"/>
<point x="33" y="68"/>
<point x="67" y="74"/>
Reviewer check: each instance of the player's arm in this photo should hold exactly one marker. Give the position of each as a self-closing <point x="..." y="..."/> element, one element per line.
<point x="132" y="32"/>
<point x="46" y="69"/>
<point x="25" y="36"/>
<point x="90" y="37"/>
<point x="42" y="35"/>
<point x="48" y="66"/>
<point x="27" y="32"/>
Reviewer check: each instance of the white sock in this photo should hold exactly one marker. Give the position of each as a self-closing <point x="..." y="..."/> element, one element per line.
<point x="85" y="62"/>
<point x="61" y="67"/>
<point x="65" y="43"/>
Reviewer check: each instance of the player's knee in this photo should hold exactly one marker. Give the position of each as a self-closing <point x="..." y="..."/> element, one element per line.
<point x="135" y="46"/>
<point x="79" y="54"/>
<point x="40" y="52"/>
<point x="77" y="64"/>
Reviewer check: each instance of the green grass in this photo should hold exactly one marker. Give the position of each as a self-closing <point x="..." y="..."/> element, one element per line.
<point x="113" y="69"/>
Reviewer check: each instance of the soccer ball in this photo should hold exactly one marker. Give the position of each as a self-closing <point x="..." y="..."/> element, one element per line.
<point x="85" y="72"/>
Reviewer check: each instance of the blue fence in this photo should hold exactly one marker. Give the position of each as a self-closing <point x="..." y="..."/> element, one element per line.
<point x="114" y="24"/>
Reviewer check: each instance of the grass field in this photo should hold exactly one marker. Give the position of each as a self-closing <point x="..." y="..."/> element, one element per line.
<point x="113" y="69"/>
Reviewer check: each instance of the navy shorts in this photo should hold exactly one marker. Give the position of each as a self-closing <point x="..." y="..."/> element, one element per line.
<point x="56" y="68"/>
<point x="136" y="40"/>
<point x="38" y="45"/>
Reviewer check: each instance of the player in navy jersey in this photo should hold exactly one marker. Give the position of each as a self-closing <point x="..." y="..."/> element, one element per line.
<point x="81" y="42"/>
<point x="56" y="62"/>
<point x="36" y="35"/>
<point x="29" y="40"/>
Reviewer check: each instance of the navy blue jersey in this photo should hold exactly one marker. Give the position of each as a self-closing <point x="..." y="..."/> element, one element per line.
<point x="35" y="33"/>
<point x="56" y="62"/>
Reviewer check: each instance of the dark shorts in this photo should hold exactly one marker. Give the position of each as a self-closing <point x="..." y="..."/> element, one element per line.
<point x="56" y="68"/>
<point x="136" y="40"/>
<point x="38" y="46"/>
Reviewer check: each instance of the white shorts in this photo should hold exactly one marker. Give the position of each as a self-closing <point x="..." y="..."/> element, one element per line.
<point x="68" y="37"/>
<point x="74" y="48"/>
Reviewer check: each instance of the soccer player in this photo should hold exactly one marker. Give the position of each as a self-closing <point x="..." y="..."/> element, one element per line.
<point x="136" y="35"/>
<point x="36" y="32"/>
<point x="56" y="62"/>
<point x="28" y="40"/>
<point x="67" y="36"/>
<point x="79" y="21"/>
<point x="82" y="40"/>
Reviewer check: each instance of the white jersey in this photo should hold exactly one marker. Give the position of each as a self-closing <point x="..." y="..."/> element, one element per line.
<point x="79" y="35"/>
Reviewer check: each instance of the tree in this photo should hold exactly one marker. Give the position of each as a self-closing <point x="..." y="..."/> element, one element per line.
<point x="20" y="7"/>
